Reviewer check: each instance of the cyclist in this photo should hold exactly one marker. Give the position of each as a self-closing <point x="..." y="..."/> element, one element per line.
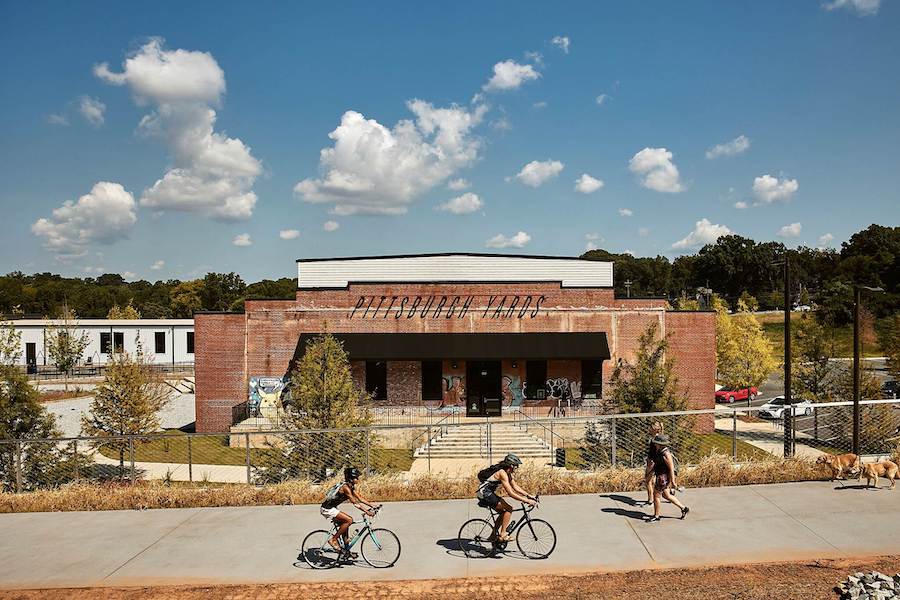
<point x="501" y="475"/>
<point x="338" y="494"/>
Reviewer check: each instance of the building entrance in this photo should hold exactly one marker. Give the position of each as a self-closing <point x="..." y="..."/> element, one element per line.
<point x="483" y="388"/>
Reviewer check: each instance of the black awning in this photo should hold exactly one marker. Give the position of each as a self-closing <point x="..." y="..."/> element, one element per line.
<point x="482" y="346"/>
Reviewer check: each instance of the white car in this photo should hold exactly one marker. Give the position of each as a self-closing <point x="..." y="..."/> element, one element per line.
<point x="774" y="408"/>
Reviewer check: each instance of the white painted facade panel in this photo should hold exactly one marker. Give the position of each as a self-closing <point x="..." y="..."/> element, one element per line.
<point x="175" y="331"/>
<point x="338" y="273"/>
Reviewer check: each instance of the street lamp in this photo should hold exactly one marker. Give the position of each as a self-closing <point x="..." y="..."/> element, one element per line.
<point x="857" y="292"/>
<point x="788" y="409"/>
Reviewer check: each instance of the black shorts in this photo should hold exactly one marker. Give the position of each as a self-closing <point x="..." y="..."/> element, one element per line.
<point x="490" y="500"/>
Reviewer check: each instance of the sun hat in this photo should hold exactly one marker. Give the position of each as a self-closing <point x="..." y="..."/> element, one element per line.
<point x="661" y="439"/>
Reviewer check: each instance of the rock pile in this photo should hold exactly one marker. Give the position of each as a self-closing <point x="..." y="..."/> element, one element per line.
<point x="869" y="586"/>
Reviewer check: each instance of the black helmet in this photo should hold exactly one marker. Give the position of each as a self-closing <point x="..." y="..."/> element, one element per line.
<point x="512" y="460"/>
<point x="351" y="473"/>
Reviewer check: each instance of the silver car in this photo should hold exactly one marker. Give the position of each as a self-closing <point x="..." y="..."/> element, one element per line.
<point x="774" y="408"/>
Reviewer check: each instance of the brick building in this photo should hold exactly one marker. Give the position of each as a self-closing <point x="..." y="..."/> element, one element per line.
<point x="487" y="332"/>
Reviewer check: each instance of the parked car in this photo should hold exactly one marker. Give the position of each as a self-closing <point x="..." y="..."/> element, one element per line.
<point x="890" y="389"/>
<point x="774" y="408"/>
<point x="729" y="395"/>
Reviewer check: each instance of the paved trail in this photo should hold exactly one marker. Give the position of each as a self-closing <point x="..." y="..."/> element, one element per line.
<point x="596" y="533"/>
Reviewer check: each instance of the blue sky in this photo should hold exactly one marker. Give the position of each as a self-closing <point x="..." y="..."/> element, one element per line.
<point x="193" y="138"/>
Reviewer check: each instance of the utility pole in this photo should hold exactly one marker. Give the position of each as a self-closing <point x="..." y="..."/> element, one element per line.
<point x="788" y="409"/>
<point x="857" y="293"/>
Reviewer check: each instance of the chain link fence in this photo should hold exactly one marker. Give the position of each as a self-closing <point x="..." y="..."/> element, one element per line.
<point x="579" y="443"/>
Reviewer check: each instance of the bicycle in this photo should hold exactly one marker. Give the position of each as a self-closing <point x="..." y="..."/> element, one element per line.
<point x="535" y="538"/>
<point x="380" y="548"/>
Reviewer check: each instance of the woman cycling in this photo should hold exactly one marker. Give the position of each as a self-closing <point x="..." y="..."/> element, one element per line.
<point x="496" y="476"/>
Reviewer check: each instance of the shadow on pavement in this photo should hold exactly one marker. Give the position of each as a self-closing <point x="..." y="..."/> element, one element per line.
<point x="452" y="546"/>
<point x="622" y="499"/>
<point x="624" y="512"/>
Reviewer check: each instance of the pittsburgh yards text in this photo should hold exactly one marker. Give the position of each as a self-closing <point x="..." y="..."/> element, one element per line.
<point x="447" y="307"/>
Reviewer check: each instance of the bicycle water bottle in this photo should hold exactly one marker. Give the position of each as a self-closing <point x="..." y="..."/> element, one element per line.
<point x="511" y="526"/>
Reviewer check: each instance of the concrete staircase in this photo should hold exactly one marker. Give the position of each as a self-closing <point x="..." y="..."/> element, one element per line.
<point x="471" y="442"/>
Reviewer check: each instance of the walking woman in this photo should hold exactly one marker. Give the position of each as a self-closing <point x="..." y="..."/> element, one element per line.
<point x="655" y="429"/>
<point x="664" y="475"/>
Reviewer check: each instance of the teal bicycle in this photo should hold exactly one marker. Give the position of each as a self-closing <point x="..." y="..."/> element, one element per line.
<point x="379" y="547"/>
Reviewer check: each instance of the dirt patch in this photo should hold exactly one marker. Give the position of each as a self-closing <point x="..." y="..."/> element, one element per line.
<point x="59" y="395"/>
<point x="793" y="580"/>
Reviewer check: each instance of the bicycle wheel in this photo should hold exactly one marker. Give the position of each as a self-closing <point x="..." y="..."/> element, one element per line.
<point x="536" y="538"/>
<point x="317" y="552"/>
<point x="473" y="538"/>
<point x="380" y="548"/>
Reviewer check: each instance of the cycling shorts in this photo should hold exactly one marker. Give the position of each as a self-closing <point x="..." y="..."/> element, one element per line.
<point x="330" y="513"/>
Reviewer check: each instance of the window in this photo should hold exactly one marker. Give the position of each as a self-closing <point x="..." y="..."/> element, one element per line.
<point x="159" y="340"/>
<point x="432" y="386"/>
<point x="190" y="342"/>
<point x="119" y="342"/>
<point x="591" y="379"/>
<point x="376" y="379"/>
<point x="105" y="342"/>
<point x="536" y="379"/>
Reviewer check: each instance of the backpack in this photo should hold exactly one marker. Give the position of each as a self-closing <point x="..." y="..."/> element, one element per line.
<point x="332" y="494"/>
<point x="675" y="463"/>
<point x="488" y="472"/>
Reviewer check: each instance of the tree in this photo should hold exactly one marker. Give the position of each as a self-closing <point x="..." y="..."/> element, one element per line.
<point x="649" y="383"/>
<point x="749" y="301"/>
<point x="129" y="312"/>
<point x="877" y="423"/>
<point x="323" y="396"/>
<point x="185" y="299"/>
<point x="890" y="344"/>
<point x="64" y="344"/>
<point x="126" y="403"/>
<point x="813" y="371"/>
<point x="10" y="343"/>
<point x="23" y="417"/>
<point x="743" y="352"/>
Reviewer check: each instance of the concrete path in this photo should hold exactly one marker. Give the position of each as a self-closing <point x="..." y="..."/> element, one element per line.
<point x="767" y="436"/>
<point x="260" y="544"/>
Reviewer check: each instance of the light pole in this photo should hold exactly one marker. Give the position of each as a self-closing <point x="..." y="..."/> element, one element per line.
<point x="788" y="409"/>
<point x="628" y="288"/>
<point x="857" y="293"/>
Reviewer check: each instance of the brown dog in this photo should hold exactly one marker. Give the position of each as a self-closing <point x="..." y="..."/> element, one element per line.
<point x="872" y="471"/>
<point x="840" y="464"/>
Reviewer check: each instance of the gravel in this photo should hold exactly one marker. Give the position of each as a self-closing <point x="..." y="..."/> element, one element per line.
<point x="869" y="586"/>
<point x="179" y="413"/>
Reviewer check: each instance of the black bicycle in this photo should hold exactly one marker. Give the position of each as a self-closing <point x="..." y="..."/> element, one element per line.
<point x="379" y="547"/>
<point x="535" y="538"/>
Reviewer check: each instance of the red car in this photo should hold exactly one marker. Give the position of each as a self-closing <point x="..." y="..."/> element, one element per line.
<point x="730" y="395"/>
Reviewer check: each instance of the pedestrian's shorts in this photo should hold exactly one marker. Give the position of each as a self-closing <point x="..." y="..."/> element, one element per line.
<point x="330" y="513"/>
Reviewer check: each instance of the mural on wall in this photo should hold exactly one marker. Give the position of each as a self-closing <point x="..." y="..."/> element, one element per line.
<point x="563" y="391"/>
<point x="454" y="391"/>
<point x="513" y="390"/>
<point x="266" y="395"/>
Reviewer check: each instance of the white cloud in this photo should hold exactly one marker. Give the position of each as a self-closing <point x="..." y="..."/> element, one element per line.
<point x="587" y="184"/>
<point x="740" y="205"/>
<point x="541" y="104"/>
<point x="601" y="99"/>
<point x="510" y="75"/>
<point x="519" y="240"/>
<point x="212" y="174"/>
<point x="625" y="212"/>
<point x="461" y="205"/>
<point x="537" y="173"/>
<point x="92" y="110"/>
<point x="591" y="241"/>
<point x="825" y="240"/>
<point x="331" y="226"/>
<point x="375" y="170"/>
<point x="704" y="233"/>
<point x="535" y="57"/>
<point x="289" y="234"/>
<point x="459" y="184"/>
<point x="628" y="251"/>
<point x="104" y="215"/>
<point x="643" y="231"/>
<point x="242" y="239"/>
<point x="657" y="169"/>
<point x="158" y="265"/>
<point x="768" y="189"/>
<point x="56" y="119"/>
<point x="736" y="146"/>
<point x="129" y="275"/>
<point x="864" y="8"/>
<point x="790" y="231"/>
<point x="561" y="42"/>
<point x="501" y="124"/>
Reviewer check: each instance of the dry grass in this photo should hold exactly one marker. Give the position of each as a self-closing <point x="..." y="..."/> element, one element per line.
<point x="715" y="470"/>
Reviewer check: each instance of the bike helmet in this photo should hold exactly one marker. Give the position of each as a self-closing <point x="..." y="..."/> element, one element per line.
<point x="351" y="473"/>
<point x="512" y="460"/>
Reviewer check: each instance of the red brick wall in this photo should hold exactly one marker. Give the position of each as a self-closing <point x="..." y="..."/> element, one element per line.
<point x="404" y="382"/>
<point x="219" y="369"/>
<point x="692" y="343"/>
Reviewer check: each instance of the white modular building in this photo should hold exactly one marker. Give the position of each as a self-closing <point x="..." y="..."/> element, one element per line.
<point x="165" y="341"/>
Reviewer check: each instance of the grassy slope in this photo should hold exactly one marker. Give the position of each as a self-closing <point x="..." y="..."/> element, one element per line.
<point x="773" y="325"/>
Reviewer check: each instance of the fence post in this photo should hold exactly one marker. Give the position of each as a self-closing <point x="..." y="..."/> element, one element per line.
<point x="75" y="460"/>
<point x="552" y="454"/>
<point x="247" y="446"/>
<point x="428" y="446"/>
<point x="613" y="445"/>
<point x="190" y="460"/>
<point x="19" y="466"/>
<point x="368" y="450"/>
<point x="734" y="435"/>
<point x="131" y="457"/>
<point x="788" y="441"/>
<point x="816" y="423"/>
<point x="490" y="444"/>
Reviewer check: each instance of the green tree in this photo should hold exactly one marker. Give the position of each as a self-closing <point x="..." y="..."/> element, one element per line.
<point x="890" y="344"/>
<point x="10" y="343"/>
<point x="323" y="396"/>
<point x="814" y="373"/>
<point x="649" y="383"/>
<point x="743" y="352"/>
<point x="185" y="299"/>
<point x="65" y="345"/>
<point x="749" y="301"/>
<point x="877" y="422"/>
<point x="23" y="418"/>
<point x="126" y="403"/>
<point x="128" y="312"/>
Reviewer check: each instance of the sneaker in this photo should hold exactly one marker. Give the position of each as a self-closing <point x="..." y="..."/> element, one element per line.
<point x="685" y="511"/>
<point x="653" y="520"/>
